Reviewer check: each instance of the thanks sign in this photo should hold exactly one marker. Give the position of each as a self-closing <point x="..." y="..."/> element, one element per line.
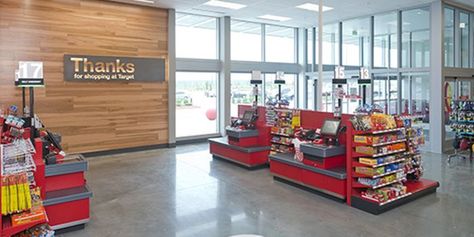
<point x="106" y="68"/>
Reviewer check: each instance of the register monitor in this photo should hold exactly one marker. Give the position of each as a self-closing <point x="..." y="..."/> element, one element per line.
<point x="330" y="131"/>
<point x="248" y="117"/>
<point x="247" y="120"/>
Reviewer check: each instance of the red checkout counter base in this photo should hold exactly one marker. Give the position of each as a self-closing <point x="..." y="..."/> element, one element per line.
<point x="67" y="201"/>
<point x="328" y="182"/>
<point x="248" y="157"/>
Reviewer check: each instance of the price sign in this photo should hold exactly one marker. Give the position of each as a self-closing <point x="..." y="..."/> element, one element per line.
<point x="29" y="74"/>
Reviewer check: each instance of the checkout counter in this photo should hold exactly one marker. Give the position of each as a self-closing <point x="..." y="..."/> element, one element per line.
<point x="323" y="166"/>
<point x="247" y="141"/>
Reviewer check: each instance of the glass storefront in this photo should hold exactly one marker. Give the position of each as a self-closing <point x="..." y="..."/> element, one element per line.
<point x="196" y="103"/>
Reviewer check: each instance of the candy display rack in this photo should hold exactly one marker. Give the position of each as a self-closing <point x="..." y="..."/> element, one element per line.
<point x="384" y="167"/>
<point x="283" y="130"/>
<point x="30" y="216"/>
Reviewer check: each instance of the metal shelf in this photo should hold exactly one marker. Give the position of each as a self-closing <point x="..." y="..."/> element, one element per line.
<point x="379" y="131"/>
<point x="381" y="154"/>
<point x="388" y="201"/>
<point x="359" y="175"/>
<point x="379" y="165"/>
<point x="381" y="144"/>
<point x="360" y="185"/>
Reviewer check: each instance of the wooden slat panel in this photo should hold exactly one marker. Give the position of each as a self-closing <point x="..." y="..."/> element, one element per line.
<point x="91" y="116"/>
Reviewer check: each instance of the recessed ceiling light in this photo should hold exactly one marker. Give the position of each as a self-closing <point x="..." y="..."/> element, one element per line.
<point x="313" y="7"/>
<point x="274" y="18"/>
<point x="230" y="5"/>
<point x="145" y="1"/>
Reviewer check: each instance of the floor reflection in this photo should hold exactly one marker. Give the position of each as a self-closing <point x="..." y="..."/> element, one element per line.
<point x="183" y="192"/>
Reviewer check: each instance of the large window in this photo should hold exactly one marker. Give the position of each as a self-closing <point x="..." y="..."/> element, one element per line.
<point x="464" y="31"/>
<point x="386" y="41"/>
<point x="393" y="94"/>
<point x="356" y="42"/>
<point x="416" y="38"/>
<point x="352" y="90"/>
<point x="310" y="48"/>
<point x="196" y="103"/>
<point x="196" y="36"/>
<point x="246" y="41"/>
<point x="416" y="97"/>
<point x="379" y="93"/>
<point x="328" y="100"/>
<point x="279" y="44"/>
<point x="241" y="92"/>
<point x="406" y="95"/>
<point x="330" y="44"/>
<point x="288" y="90"/>
<point x="385" y="92"/>
<point x="448" y="37"/>
<point x="310" y="104"/>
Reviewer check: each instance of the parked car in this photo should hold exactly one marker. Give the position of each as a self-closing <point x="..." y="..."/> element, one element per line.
<point x="286" y="94"/>
<point x="240" y="97"/>
<point x="183" y="99"/>
<point x="210" y="94"/>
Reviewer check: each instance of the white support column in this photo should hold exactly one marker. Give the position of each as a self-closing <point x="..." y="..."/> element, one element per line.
<point x="319" y="89"/>
<point x="224" y="79"/>
<point x="436" y="79"/>
<point x="171" y="77"/>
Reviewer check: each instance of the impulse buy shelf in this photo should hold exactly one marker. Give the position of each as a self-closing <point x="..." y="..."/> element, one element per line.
<point x="385" y="166"/>
<point x="62" y="189"/>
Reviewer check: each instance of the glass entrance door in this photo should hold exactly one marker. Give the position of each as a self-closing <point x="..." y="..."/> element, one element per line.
<point x="465" y="89"/>
<point x="385" y="93"/>
<point x="379" y="94"/>
<point x="393" y="101"/>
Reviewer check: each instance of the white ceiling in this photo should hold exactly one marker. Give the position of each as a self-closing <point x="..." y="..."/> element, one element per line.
<point x="343" y="9"/>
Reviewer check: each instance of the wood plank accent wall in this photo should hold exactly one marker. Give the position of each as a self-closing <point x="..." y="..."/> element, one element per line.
<point x="91" y="116"/>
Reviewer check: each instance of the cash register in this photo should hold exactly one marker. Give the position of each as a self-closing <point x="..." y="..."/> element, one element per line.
<point x="247" y="121"/>
<point x="330" y="132"/>
<point x="329" y="153"/>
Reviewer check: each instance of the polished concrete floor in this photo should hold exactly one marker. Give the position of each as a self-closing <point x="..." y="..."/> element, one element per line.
<point x="183" y="192"/>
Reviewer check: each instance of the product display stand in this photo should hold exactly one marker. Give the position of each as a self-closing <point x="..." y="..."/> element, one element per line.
<point x="282" y="131"/>
<point x="384" y="167"/>
<point x="248" y="148"/>
<point x="8" y="226"/>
